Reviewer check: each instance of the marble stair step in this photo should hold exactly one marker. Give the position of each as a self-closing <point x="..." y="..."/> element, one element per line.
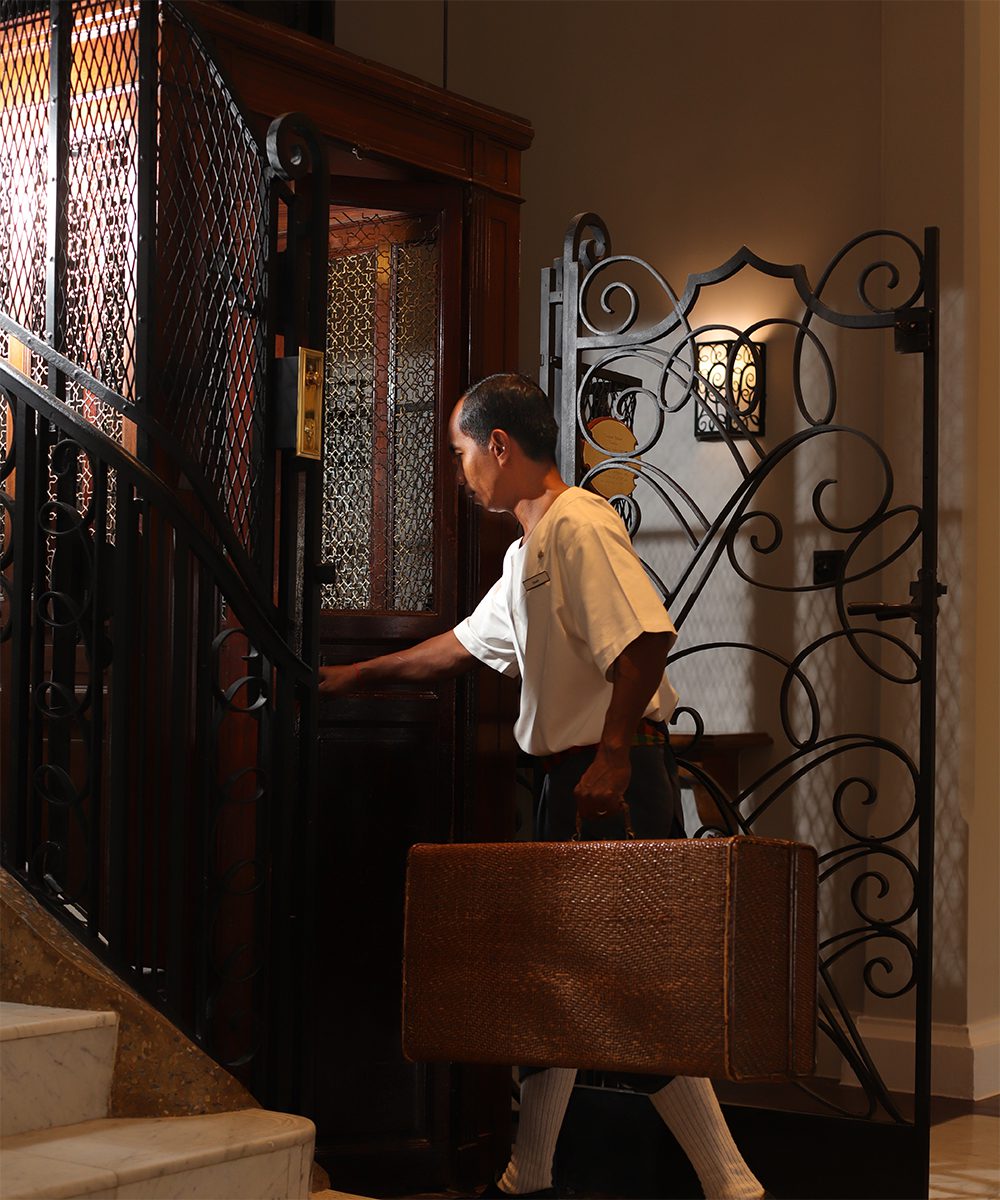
<point x="56" y="1066"/>
<point x="329" y="1194"/>
<point x="248" y="1155"/>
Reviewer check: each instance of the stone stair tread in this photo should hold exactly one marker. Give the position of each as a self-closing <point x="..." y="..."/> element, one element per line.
<point x="37" y="1020"/>
<point x="330" y="1194"/>
<point x="98" y="1158"/>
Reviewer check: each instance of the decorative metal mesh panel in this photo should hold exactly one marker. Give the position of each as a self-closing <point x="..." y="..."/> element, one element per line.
<point x="412" y="401"/>
<point x="211" y="288"/>
<point x="96" y="295"/>
<point x="380" y="399"/>
<point x="209" y="247"/>
<point x="348" y="416"/>
<point x="24" y="125"/>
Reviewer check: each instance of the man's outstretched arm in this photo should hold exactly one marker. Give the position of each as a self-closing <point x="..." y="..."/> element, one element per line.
<point x="441" y="657"/>
<point x="636" y="674"/>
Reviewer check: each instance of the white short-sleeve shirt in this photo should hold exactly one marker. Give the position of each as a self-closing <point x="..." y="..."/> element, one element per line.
<point x="571" y="598"/>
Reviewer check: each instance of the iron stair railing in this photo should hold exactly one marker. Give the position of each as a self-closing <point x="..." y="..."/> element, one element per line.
<point x="153" y="778"/>
<point x="158" y="610"/>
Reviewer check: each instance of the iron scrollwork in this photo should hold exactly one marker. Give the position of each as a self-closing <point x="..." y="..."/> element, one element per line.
<point x="875" y="884"/>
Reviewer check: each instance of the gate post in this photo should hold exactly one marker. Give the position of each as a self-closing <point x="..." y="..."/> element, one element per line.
<point x="928" y="592"/>
<point x="296" y="152"/>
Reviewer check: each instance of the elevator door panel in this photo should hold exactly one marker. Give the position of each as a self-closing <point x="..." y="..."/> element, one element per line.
<point x="388" y="571"/>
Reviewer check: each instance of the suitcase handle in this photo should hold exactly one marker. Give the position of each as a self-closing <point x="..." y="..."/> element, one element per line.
<point x="629" y="831"/>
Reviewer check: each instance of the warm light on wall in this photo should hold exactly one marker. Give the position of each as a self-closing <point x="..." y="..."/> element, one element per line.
<point x="730" y="390"/>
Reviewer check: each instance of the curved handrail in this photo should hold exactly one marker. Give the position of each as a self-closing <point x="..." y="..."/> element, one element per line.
<point x="163" y="438"/>
<point x="257" y="620"/>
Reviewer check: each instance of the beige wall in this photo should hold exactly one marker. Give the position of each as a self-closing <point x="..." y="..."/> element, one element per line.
<point x="791" y="127"/>
<point x="981" y="798"/>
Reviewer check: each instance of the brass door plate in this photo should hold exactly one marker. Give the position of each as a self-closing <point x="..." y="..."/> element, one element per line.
<point x="18" y="356"/>
<point x="309" y="430"/>
<point x="298" y="391"/>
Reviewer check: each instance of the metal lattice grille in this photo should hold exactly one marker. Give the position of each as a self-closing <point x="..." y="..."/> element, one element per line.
<point x="211" y="262"/>
<point x="24" y="124"/>
<point x="380" y="404"/>
<point x="348" y="407"/>
<point x="413" y="398"/>
<point x="96" y="295"/>
<point x="208" y="251"/>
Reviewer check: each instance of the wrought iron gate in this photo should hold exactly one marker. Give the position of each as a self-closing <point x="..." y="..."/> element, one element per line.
<point x="766" y="548"/>
<point x="159" y="610"/>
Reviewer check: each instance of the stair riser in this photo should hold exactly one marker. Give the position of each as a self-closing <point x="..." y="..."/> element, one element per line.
<point x="248" y="1155"/>
<point x="56" y="1079"/>
<point x="280" y="1175"/>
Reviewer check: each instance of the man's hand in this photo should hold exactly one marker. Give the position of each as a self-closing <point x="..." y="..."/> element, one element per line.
<point x="337" y="681"/>
<point x="439" y="657"/>
<point x="601" y="790"/>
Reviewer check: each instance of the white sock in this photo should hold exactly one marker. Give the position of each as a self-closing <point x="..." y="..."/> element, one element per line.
<point x="692" y="1114"/>
<point x="544" y="1097"/>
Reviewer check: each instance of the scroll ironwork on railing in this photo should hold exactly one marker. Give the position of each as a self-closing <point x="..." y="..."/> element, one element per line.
<point x="758" y="545"/>
<point x="157" y="641"/>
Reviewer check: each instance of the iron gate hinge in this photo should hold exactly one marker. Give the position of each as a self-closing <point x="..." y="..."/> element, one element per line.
<point x="913" y="331"/>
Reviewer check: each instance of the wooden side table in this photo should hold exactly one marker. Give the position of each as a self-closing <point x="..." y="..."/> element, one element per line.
<point x="719" y="755"/>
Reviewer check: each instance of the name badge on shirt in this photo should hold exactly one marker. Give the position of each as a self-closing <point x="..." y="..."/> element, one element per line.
<point x="536" y="580"/>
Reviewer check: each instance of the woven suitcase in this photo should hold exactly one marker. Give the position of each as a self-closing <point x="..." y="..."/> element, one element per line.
<point x="686" y="957"/>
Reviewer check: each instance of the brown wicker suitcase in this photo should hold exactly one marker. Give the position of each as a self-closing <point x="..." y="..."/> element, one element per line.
<point x="678" y="957"/>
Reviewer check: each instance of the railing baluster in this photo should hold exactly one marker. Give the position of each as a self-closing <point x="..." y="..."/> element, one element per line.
<point x="140" y="797"/>
<point x="36" y="724"/>
<point x="158" y="635"/>
<point x="178" y="726"/>
<point x="98" y="669"/>
<point x="23" y="569"/>
<point x="204" y="768"/>
<point x="125" y="660"/>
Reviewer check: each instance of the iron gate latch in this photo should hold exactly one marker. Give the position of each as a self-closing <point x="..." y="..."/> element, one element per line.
<point x="895" y="612"/>
<point x="913" y="331"/>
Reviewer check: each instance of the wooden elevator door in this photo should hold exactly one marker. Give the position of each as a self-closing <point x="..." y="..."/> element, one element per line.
<point x="387" y="758"/>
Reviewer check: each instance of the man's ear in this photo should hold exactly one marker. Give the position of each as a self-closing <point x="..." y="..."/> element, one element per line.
<point x="499" y="443"/>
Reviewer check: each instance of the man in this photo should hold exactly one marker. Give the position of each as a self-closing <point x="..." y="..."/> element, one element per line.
<point x="575" y="617"/>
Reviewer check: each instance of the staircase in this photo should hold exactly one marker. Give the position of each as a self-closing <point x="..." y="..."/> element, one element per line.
<point x="56" y="1139"/>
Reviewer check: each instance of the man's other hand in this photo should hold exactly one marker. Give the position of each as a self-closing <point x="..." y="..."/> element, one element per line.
<point x="336" y="681"/>
<point x="601" y="790"/>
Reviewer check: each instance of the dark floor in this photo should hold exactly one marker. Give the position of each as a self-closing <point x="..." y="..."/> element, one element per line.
<point x="943" y="1108"/>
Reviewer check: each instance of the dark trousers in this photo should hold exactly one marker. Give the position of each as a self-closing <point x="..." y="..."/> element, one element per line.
<point x="653" y="797"/>
<point x="654" y="800"/>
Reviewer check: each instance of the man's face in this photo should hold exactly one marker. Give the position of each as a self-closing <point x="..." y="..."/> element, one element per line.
<point x="476" y="467"/>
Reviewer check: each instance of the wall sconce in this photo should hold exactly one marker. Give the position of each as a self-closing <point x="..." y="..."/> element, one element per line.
<point x="731" y="398"/>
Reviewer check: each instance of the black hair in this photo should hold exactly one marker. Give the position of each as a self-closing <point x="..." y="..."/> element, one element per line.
<point x="516" y="405"/>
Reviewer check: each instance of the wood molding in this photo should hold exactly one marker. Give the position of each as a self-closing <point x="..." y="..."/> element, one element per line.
<point x="372" y="108"/>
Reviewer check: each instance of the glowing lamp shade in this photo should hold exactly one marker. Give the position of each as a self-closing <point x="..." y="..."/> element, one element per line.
<point x="730" y="390"/>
